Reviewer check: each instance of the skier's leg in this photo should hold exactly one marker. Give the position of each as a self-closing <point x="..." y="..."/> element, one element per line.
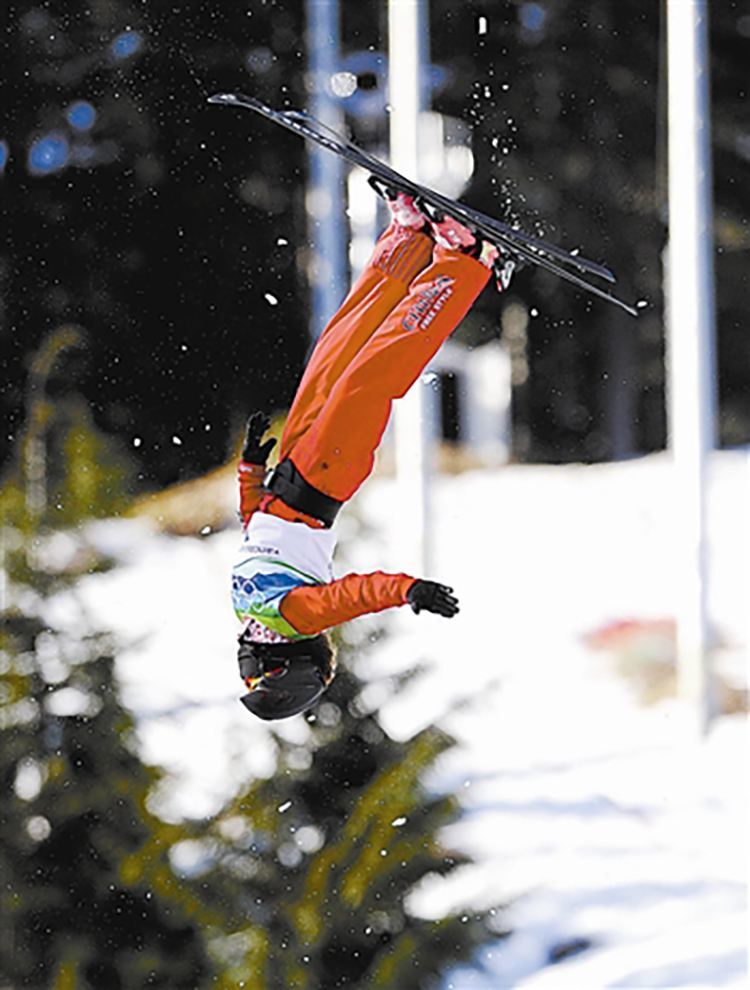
<point x="336" y="453"/>
<point x="400" y="254"/>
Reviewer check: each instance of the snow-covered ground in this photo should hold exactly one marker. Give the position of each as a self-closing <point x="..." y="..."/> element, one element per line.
<point x="604" y="822"/>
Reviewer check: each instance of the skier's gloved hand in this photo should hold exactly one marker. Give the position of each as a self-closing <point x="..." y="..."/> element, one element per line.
<point x="432" y="597"/>
<point x="253" y="451"/>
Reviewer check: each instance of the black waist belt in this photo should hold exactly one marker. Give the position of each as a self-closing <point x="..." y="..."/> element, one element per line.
<point x="287" y="483"/>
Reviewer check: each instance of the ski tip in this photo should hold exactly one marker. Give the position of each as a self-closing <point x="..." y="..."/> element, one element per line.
<point x="223" y="98"/>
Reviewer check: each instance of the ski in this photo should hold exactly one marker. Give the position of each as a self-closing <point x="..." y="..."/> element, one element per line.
<point x="521" y="247"/>
<point x="368" y="161"/>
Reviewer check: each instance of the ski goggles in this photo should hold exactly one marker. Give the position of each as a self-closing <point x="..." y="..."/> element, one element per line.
<point x="252" y="681"/>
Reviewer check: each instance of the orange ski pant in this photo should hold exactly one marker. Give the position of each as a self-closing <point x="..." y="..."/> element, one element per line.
<point x="410" y="297"/>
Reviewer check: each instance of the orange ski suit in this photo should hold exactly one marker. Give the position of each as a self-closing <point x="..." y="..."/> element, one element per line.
<point x="408" y="300"/>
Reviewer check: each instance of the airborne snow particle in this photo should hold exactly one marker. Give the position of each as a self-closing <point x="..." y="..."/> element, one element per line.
<point x="137" y="441"/>
<point x="284" y="807"/>
<point x="176" y="441"/>
<point x="482" y="25"/>
<point x="641" y="303"/>
<point x="534" y="311"/>
<point x="398" y="821"/>
<point x="205" y="531"/>
<point x="271" y="300"/>
<point x="281" y="241"/>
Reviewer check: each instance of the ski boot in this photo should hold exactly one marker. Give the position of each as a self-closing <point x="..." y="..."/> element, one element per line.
<point x="418" y="214"/>
<point x="450" y="233"/>
<point x="401" y="205"/>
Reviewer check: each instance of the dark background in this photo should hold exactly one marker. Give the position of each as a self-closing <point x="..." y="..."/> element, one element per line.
<point x="157" y="234"/>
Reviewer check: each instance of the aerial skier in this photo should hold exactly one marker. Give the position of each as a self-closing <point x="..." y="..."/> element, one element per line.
<point x="423" y="277"/>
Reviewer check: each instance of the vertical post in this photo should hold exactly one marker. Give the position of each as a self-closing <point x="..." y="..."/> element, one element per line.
<point x="690" y="332"/>
<point x="326" y="192"/>
<point x="406" y="44"/>
<point x="620" y="415"/>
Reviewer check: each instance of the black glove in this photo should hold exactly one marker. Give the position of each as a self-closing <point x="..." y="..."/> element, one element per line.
<point x="253" y="451"/>
<point x="433" y="597"/>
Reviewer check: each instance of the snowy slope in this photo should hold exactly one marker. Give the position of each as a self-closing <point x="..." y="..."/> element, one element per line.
<point x="605" y="822"/>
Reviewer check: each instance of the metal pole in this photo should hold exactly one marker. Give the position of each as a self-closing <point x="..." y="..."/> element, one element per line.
<point x="406" y="45"/>
<point x="690" y="333"/>
<point x="326" y="192"/>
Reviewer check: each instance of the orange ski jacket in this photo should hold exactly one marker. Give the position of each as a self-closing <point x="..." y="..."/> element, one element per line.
<point x="290" y="601"/>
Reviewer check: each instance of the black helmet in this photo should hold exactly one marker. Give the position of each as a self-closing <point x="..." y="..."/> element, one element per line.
<point x="284" y="678"/>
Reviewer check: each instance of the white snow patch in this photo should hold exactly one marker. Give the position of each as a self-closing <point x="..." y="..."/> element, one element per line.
<point x="69" y="701"/>
<point x="38" y="828"/>
<point x="29" y="779"/>
<point x="594" y="817"/>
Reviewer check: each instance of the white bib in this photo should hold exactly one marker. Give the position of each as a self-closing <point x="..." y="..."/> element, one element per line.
<point x="271" y="540"/>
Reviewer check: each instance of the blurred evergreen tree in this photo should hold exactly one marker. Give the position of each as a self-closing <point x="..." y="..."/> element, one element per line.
<point x="322" y="858"/>
<point x="567" y="106"/>
<point x="563" y="103"/>
<point x="88" y="897"/>
<point x="730" y="36"/>
<point x="133" y="208"/>
<point x="162" y="224"/>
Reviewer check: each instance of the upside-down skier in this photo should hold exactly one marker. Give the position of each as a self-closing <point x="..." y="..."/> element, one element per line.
<point x="423" y="277"/>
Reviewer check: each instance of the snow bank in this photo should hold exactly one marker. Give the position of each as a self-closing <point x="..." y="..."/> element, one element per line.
<point x="611" y="828"/>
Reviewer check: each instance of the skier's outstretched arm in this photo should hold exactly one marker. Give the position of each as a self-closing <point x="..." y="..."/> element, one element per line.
<point x="252" y="467"/>
<point x="250" y="477"/>
<point x="314" y="608"/>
